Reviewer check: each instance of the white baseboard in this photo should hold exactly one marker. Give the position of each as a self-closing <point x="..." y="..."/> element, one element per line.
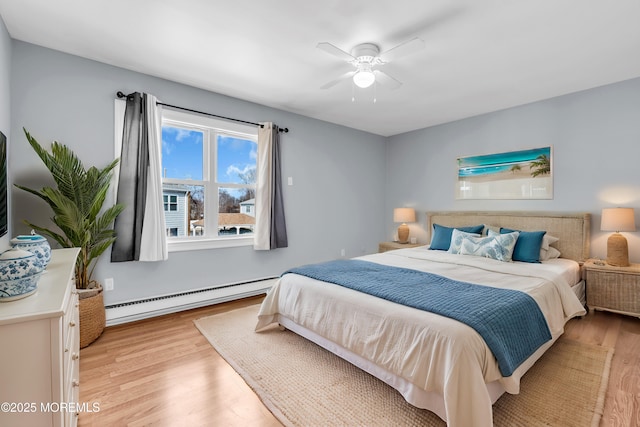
<point x="143" y="309"/>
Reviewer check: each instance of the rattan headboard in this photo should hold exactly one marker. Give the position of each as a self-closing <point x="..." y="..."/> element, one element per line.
<point x="572" y="228"/>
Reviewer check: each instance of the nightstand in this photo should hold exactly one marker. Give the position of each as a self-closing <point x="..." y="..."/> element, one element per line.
<point x="612" y="288"/>
<point x="389" y="246"/>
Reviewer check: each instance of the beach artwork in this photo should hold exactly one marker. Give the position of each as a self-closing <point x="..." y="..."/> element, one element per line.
<point x="524" y="174"/>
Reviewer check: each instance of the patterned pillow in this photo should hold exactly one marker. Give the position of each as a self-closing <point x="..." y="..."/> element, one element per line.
<point x="499" y="247"/>
<point x="456" y="240"/>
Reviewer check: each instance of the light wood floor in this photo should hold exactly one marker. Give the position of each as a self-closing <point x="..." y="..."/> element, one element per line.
<point x="163" y="372"/>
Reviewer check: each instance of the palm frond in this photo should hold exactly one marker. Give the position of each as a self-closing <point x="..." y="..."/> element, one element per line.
<point x="77" y="204"/>
<point x="62" y="240"/>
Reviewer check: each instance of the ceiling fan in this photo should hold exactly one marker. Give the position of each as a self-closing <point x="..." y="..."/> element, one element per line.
<point x="365" y="58"/>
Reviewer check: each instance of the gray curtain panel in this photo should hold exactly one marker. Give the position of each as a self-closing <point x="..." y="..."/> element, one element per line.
<point x="132" y="184"/>
<point x="278" y="223"/>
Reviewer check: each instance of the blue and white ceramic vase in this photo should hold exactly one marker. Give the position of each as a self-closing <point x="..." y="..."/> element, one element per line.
<point x="35" y="244"/>
<point x="19" y="274"/>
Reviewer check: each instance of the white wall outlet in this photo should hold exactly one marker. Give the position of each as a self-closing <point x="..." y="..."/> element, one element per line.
<point x="290" y="180"/>
<point x="343" y="252"/>
<point x="108" y="284"/>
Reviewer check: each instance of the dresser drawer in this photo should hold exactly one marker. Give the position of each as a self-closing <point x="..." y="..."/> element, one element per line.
<point x="70" y="319"/>
<point x="71" y="363"/>
<point x="71" y="358"/>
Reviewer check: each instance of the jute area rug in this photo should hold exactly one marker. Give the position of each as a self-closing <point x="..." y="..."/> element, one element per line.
<point x="304" y="385"/>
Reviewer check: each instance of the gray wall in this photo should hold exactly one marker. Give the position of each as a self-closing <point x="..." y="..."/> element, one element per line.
<point x="336" y="201"/>
<point x="346" y="182"/>
<point x="595" y="135"/>
<point x="5" y="108"/>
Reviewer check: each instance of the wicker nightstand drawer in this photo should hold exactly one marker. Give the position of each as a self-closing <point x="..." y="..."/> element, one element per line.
<point x="389" y="246"/>
<point x="614" y="289"/>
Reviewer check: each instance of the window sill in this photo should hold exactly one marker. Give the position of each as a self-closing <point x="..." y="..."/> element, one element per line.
<point x="176" y="245"/>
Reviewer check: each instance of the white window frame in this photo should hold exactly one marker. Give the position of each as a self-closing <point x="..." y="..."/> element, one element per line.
<point x="211" y="128"/>
<point x="167" y="205"/>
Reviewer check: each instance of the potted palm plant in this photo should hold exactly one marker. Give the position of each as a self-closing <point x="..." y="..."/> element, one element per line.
<point x="77" y="204"/>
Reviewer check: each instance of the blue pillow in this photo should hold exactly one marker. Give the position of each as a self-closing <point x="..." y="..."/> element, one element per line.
<point x="528" y="245"/>
<point x="441" y="238"/>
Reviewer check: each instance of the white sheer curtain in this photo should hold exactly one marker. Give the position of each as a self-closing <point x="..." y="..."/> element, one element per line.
<point x="140" y="228"/>
<point x="153" y="246"/>
<point x="271" y="232"/>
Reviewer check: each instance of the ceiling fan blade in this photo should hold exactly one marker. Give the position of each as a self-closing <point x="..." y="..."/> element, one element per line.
<point x="331" y="49"/>
<point x="403" y="49"/>
<point x="338" y="80"/>
<point x="386" y="80"/>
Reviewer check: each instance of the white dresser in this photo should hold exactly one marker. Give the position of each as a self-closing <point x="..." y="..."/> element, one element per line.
<point x="39" y="350"/>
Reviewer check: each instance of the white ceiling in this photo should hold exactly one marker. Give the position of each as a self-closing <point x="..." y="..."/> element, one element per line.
<point x="479" y="55"/>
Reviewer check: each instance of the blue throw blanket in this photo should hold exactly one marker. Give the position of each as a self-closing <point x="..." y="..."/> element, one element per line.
<point x="509" y="321"/>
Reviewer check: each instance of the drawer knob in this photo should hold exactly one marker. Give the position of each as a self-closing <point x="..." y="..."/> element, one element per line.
<point x="66" y="350"/>
<point x="74" y="356"/>
<point x="75" y="383"/>
<point x="72" y="324"/>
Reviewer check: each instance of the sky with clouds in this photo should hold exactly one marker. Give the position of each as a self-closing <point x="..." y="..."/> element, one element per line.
<point x="182" y="155"/>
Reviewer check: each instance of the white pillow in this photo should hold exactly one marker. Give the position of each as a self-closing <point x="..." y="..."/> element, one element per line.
<point x="495" y="246"/>
<point x="548" y="240"/>
<point x="547" y="252"/>
<point x="550" y="253"/>
<point x="456" y="240"/>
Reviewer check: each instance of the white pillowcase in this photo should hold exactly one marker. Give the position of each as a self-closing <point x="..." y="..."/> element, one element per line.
<point x="496" y="246"/>
<point x="547" y="252"/>
<point x="548" y="240"/>
<point x="551" y="253"/>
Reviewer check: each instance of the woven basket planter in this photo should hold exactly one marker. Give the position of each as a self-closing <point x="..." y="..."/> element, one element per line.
<point x="92" y="315"/>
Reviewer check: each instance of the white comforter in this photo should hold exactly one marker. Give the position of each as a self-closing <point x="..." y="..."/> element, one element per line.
<point x="433" y="353"/>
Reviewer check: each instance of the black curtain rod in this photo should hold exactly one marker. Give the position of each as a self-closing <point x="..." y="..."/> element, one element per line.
<point x="285" y="130"/>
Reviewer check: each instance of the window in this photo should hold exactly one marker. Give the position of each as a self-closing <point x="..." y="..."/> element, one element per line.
<point x="209" y="181"/>
<point x="170" y="202"/>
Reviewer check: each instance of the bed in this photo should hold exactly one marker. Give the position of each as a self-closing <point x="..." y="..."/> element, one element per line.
<point x="436" y="362"/>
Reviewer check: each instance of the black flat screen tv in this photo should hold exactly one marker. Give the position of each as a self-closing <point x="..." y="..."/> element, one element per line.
<point x="3" y="184"/>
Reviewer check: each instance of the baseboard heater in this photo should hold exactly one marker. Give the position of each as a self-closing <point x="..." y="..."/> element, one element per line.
<point x="164" y="304"/>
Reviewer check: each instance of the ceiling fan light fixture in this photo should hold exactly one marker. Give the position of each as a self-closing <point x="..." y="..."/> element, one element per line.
<point x="364" y="78"/>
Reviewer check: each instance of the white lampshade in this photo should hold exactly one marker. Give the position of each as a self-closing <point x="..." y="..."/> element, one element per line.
<point x="364" y="78"/>
<point x="404" y="215"/>
<point x="618" y="219"/>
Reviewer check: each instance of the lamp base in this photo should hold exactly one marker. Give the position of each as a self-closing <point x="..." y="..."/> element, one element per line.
<point x="617" y="250"/>
<point x="403" y="233"/>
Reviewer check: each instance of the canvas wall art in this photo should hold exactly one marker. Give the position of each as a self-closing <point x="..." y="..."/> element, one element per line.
<point x="523" y="174"/>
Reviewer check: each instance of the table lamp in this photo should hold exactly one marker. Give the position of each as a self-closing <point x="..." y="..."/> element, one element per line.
<point x="404" y="215"/>
<point x="618" y="219"/>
